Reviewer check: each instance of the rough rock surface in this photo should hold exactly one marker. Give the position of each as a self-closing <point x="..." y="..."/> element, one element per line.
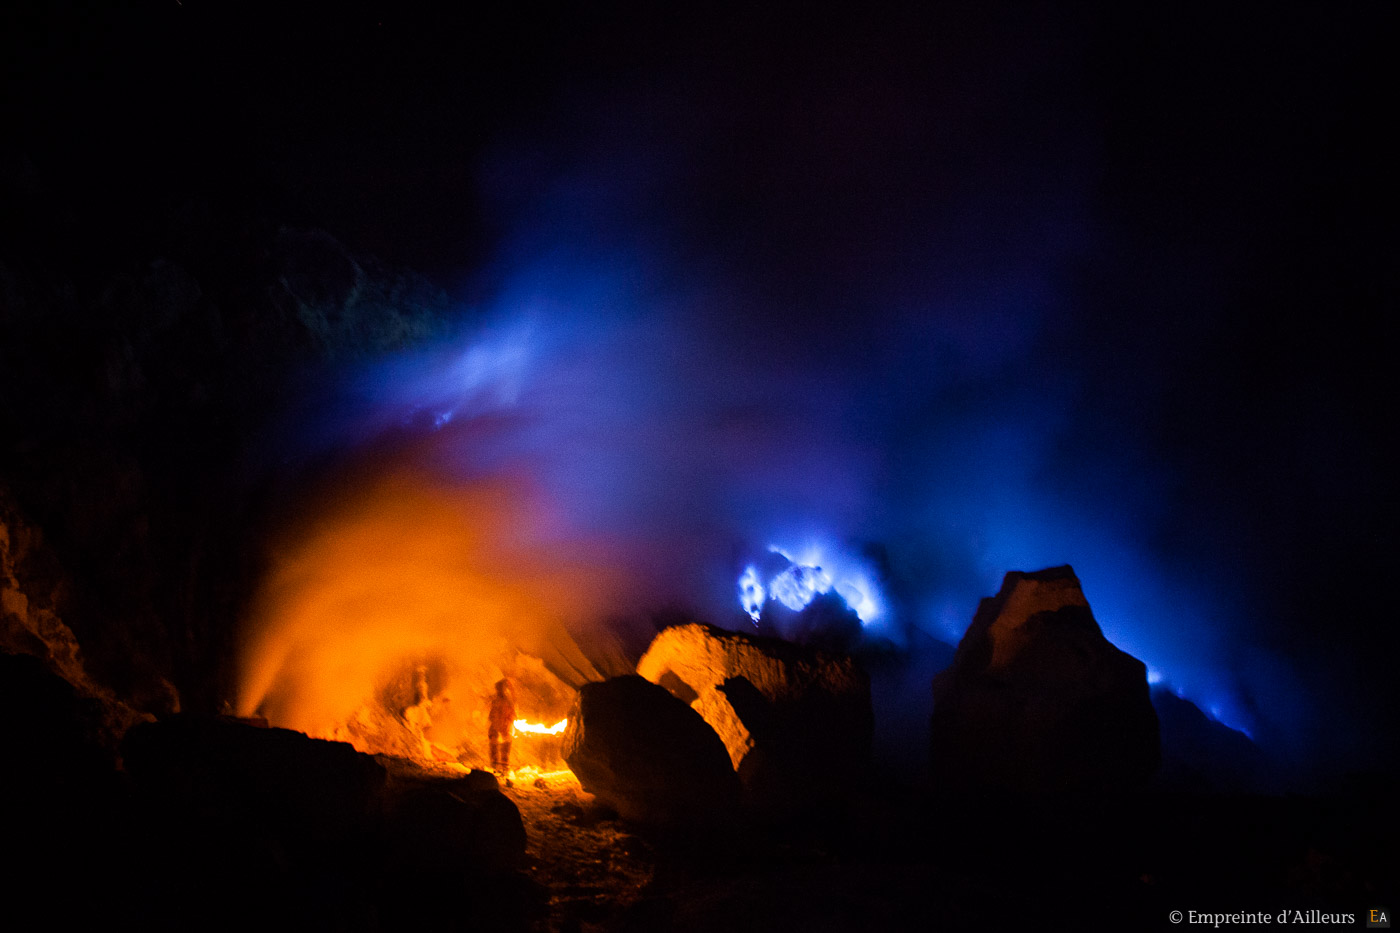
<point x="346" y="840"/>
<point x="648" y="755"/>
<point x="31" y="592"/>
<point x="311" y="791"/>
<point x="1038" y="701"/>
<point x="796" y="722"/>
<point x="462" y="824"/>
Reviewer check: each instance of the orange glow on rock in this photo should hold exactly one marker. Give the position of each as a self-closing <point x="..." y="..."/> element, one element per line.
<point x="387" y="620"/>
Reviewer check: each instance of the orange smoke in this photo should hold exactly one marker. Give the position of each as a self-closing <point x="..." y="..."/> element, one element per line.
<point x="387" y="620"/>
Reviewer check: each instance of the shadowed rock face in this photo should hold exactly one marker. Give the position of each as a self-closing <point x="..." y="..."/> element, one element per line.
<point x="648" y="755"/>
<point x="146" y="379"/>
<point x="796" y="722"/>
<point x="1202" y="755"/>
<point x="1038" y="701"/>
<point x="314" y="828"/>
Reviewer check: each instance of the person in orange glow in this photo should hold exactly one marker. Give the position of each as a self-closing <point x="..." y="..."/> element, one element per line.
<point x="501" y="728"/>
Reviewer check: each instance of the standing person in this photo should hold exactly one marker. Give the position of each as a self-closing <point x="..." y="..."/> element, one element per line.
<point x="501" y="728"/>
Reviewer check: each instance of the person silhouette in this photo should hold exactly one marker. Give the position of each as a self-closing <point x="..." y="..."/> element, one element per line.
<point x="501" y="728"/>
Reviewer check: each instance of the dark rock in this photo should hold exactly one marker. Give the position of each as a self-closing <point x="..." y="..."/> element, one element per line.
<point x="1037" y="700"/>
<point x="46" y="724"/>
<point x="63" y="805"/>
<point x="827" y="623"/>
<point x="796" y="722"/>
<point x="649" y="755"/>
<point x="310" y="793"/>
<point x="454" y="826"/>
<point x="270" y="822"/>
<point x="31" y="623"/>
<point x="1202" y="755"/>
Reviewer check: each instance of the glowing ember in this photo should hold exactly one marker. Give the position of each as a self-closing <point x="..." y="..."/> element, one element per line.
<point x="523" y="726"/>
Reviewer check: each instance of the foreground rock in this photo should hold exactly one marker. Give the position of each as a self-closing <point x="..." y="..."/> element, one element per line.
<point x="64" y="808"/>
<point x="649" y="756"/>
<point x="462" y="824"/>
<point x="241" y="820"/>
<point x="1200" y="755"/>
<point x="1037" y="701"/>
<point x="796" y="722"/>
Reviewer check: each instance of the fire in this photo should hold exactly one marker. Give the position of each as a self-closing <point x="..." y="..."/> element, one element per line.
<point x="522" y="725"/>
<point x="387" y="620"/>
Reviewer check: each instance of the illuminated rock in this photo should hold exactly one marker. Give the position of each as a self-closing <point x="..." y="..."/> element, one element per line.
<point x="1037" y="700"/>
<point x="30" y="623"/>
<point x="796" y="722"/>
<point x="649" y="756"/>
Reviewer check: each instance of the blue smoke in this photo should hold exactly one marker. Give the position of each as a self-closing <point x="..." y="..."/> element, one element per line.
<point x="692" y="387"/>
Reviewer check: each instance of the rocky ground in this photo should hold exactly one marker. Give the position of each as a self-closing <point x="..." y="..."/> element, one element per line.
<point x="894" y="859"/>
<point x="591" y="868"/>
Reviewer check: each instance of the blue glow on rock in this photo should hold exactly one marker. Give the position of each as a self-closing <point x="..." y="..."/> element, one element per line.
<point x="807" y="574"/>
<point x="798" y="585"/>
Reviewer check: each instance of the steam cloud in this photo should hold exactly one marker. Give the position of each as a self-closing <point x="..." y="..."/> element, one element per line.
<point x="713" y="328"/>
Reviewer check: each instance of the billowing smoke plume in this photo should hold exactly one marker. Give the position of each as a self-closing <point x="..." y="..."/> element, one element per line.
<point x="864" y="313"/>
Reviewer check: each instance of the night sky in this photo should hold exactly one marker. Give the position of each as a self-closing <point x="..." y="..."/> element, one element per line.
<point x="957" y="288"/>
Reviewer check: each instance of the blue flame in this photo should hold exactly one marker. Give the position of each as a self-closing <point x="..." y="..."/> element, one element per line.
<point x="751" y="592"/>
<point x="798" y="585"/>
<point x="674" y="410"/>
<point x="805" y="575"/>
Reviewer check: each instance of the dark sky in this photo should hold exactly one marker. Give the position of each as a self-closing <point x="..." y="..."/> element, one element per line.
<point x="1108" y="278"/>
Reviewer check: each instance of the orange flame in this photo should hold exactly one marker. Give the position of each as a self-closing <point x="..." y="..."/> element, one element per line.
<point x="540" y="728"/>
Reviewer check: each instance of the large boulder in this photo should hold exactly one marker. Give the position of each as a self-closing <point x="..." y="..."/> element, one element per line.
<point x="310" y="793"/>
<point x="1038" y="701"/>
<point x="451" y="825"/>
<point x="797" y="722"/>
<point x="450" y="850"/>
<point x="246" y="821"/>
<point x="648" y="755"/>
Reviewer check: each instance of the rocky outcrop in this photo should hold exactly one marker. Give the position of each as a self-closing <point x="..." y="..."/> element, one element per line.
<point x="145" y="376"/>
<point x="796" y="722"/>
<point x="31" y="591"/>
<point x="649" y="756"/>
<point x="64" y="808"/>
<point x="1201" y="755"/>
<point x="1038" y="701"/>
<point x="285" y="821"/>
<point x="311" y="793"/>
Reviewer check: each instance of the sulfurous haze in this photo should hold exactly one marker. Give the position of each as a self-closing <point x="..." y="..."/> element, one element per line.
<point x="920" y="296"/>
<point x="896" y="312"/>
